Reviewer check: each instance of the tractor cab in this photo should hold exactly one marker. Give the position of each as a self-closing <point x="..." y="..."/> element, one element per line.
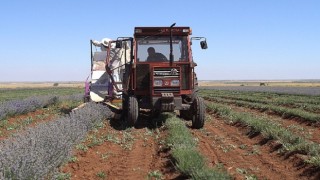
<point x="164" y="69"/>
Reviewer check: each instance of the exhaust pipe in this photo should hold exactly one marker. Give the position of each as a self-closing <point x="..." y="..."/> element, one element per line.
<point x="171" y="55"/>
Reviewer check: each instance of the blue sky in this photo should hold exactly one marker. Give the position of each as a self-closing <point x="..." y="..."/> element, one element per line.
<point x="247" y="39"/>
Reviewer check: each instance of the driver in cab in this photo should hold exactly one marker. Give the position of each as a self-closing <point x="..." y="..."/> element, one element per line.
<point x="154" y="56"/>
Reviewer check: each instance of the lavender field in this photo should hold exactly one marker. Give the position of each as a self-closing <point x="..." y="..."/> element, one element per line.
<point x="34" y="152"/>
<point x="39" y="150"/>
<point x="22" y="93"/>
<point x="16" y="107"/>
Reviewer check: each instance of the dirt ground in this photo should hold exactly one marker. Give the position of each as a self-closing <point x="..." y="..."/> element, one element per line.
<point x="227" y="146"/>
<point x="125" y="154"/>
<point x="138" y="153"/>
<point x="246" y="157"/>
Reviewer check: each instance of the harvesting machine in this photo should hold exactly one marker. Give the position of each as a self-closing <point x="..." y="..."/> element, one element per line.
<point x="157" y="73"/>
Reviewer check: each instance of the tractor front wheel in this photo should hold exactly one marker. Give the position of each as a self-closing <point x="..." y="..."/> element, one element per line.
<point x="198" y="109"/>
<point x="132" y="111"/>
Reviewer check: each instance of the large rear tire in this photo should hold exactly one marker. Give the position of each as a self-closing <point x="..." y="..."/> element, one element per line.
<point x="199" y="110"/>
<point x="132" y="111"/>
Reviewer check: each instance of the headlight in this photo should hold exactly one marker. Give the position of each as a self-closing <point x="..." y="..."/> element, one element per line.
<point x="157" y="82"/>
<point x="175" y="82"/>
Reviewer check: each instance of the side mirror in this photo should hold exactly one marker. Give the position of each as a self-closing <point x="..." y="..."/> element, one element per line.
<point x="203" y="44"/>
<point x="118" y="44"/>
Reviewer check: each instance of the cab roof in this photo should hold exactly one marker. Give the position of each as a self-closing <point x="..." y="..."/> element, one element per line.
<point x="161" y="31"/>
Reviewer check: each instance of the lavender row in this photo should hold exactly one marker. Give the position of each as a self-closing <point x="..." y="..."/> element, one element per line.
<point x="39" y="150"/>
<point x="73" y="97"/>
<point x="15" y="107"/>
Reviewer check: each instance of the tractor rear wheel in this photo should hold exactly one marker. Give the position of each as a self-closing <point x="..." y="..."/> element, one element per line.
<point x="132" y="111"/>
<point x="198" y="109"/>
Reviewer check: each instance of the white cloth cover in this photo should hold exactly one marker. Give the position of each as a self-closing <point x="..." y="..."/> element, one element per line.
<point x="116" y="63"/>
<point x="99" y="61"/>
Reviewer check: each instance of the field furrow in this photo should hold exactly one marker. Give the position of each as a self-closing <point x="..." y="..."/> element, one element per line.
<point x="282" y="111"/>
<point x="296" y="125"/>
<point x="244" y="157"/>
<point x="134" y="153"/>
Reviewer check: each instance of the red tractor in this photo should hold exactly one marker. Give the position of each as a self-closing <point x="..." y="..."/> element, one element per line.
<point x="159" y="73"/>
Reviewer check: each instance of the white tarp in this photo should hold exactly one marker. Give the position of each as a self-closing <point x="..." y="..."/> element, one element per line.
<point x="99" y="77"/>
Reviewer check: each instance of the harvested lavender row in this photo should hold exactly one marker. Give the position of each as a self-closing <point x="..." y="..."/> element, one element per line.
<point x="15" y="107"/>
<point x="39" y="150"/>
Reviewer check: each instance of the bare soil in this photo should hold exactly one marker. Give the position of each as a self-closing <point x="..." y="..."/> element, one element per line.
<point x="228" y="146"/>
<point x="137" y="157"/>
<point x="245" y="155"/>
<point x="307" y="129"/>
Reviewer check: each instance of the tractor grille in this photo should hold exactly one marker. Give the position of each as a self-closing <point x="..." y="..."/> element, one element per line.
<point x="166" y="74"/>
<point x="159" y="90"/>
